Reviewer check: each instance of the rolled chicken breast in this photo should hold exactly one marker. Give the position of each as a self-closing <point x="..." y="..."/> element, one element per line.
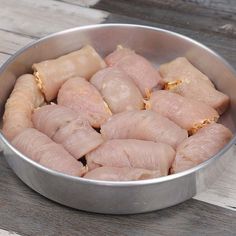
<point x="50" y="118"/>
<point x="65" y="127"/>
<point x="19" y="107"/>
<point x="191" y="83"/>
<point x="118" y="90"/>
<point x="187" y="113"/>
<point x="121" y="174"/>
<point x="83" y="98"/>
<point x="145" y="125"/>
<point x="201" y="146"/>
<point x="183" y="69"/>
<point x="51" y="74"/>
<point x="132" y="153"/>
<point x="139" y="69"/>
<point x="40" y="148"/>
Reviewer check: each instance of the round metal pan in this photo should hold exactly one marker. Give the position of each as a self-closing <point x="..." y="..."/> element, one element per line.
<point x="158" y="46"/>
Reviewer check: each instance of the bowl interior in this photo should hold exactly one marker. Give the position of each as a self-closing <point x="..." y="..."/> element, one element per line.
<point x="157" y="45"/>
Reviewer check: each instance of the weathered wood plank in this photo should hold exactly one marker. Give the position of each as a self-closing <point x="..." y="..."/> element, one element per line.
<point x="166" y="12"/>
<point x="11" y="42"/>
<point x="3" y="57"/>
<point x="223" y="7"/>
<point x="223" y="191"/>
<point x="224" y="46"/>
<point x="219" y="5"/>
<point x="40" y="18"/>
<point x="28" y="213"/>
<point x="8" y="233"/>
<point x="82" y="3"/>
<point x="210" y="8"/>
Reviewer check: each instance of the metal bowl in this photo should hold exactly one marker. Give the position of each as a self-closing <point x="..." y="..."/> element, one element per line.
<point x="132" y="196"/>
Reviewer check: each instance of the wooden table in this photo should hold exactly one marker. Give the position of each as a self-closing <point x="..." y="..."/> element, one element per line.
<point x="212" y="22"/>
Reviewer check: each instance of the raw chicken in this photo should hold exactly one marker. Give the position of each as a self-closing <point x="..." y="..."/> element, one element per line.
<point x="183" y="69"/>
<point x="118" y="54"/>
<point x="50" y="118"/>
<point x="193" y="86"/>
<point x="201" y="146"/>
<point x="143" y="73"/>
<point x="187" y="113"/>
<point x="43" y="150"/>
<point x="78" y="138"/>
<point x="121" y="174"/>
<point x="118" y="90"/>
<point x="132" y="153"/>
<point x="64" y="126"/>
<point x="144" y="125"/>
<point x="51" y="74"/>
<point x="82" y="97"/>
<point x="19" y="107"/>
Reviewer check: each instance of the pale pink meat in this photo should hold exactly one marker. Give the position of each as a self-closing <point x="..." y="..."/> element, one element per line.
<point x="118" y="54"/>
<point x="78" y="138"/>
<point x="182" y="68"/>
<point x="19" y="106"/>
<point x="118" y="90"/>
<point x="132" y="153"/>
<point x="143" y="73"/>
<point x="40" y="148"/>
<point x="187" y="113"/>
<point x="50" y="118"/>
<point x="144" y="125"/>
<point x="51" y="74"/>
<point x="121" y="174"/>
<point x="201" y="146"/>
<point x="194" y="84"/>
<point x="64" y="126"/>
<point x="82" y="97"/>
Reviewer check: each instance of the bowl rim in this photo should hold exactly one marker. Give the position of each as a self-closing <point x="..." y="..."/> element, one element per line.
<point x="163" y="179"/>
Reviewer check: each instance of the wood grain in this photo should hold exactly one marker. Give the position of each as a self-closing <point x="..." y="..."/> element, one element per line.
<point x="223" y="191"/>
<point x="40" y="18"/>
<point x="82" y="3"/>
<point x="11" y="42"/>
<point x="226" y="47"/>
<point x="178" y="13"/>
<point x="8" y="233"/>
<point x="28" y="213"/>
<point x="3" y="57"/>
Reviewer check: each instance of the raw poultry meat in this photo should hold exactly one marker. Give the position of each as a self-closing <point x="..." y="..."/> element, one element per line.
<point x="40" y="148"/>
<point x="201" y="146"/>
<point x="182" y="68"/>
<point x="110" y="95"/>
<point x="140" y="70"/>
<point x="121" y="174"/>
<point x="64" y="126"/>
<point x="19" y="106"/>
<point x="82" y="97"/>
<point x="187" y="113"/>
<point x="50" y="118"/>
<point x="144" y="125"/>
<point x="191" y="83"/>
<point x="118" y="90"/>
<point x="132" y="153"/>
<point x="51" y="74"/>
